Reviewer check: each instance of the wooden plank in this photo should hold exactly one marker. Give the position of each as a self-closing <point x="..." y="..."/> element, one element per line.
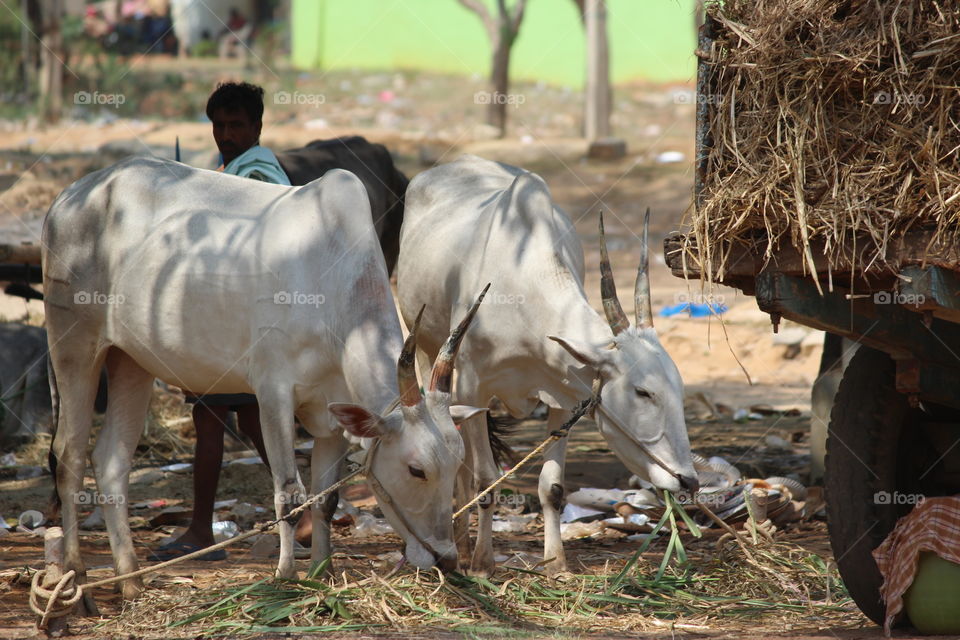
<point x="932" y="289"/>
<point x="20" y="253"/>
<point x="745" y="263"/>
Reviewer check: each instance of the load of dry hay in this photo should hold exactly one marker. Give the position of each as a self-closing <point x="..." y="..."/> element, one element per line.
<point x="833" y="122"/>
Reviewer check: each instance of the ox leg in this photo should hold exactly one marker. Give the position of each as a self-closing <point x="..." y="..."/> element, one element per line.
<point x="463" y="493"/>
<point x="325" y="465"/>
<point x="74" y="374"/>
<point x="480" y="458"/>
<point x="551" y="495"/>
<point x="276" y="419"/>
<point x="130" y="387"/>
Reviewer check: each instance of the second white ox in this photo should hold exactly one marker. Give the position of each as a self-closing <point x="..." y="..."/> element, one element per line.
<point x="219" y="284"/>
<point x="474" y="221"/>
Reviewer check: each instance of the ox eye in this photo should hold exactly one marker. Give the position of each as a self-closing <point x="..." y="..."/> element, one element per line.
<point x="642" y="393"/>
<point x="416" y="472"/>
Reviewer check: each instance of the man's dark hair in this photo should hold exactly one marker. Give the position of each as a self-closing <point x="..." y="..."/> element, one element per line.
<point x="235" y="96"/>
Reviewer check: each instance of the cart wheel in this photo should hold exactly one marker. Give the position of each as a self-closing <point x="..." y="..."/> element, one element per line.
<point x="876" y="451"/>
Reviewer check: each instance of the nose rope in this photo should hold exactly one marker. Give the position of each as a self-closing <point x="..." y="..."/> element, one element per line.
<point x="612" y="419"/>
<point x="640" y="445"/>
<point x="384" y="495"/>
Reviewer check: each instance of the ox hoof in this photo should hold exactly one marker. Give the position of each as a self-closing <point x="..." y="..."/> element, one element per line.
<point x="87" y="607"/>
<point x="287" y="575"/>
<point x="464" y="559"/>
<point x="131" y="589"/>
<point x="481" y="568"/>
<point x="558" y="571"/>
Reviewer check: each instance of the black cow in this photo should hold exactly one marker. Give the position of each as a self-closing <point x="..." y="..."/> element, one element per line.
<point x="371" y="163"/>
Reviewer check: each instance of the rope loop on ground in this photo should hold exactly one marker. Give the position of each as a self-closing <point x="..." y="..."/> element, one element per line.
<point x="60" y="600"/>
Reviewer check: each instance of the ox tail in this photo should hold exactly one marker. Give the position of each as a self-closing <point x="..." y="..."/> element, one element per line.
<point x="53" y="506"/>
<point x="498" y="428"/>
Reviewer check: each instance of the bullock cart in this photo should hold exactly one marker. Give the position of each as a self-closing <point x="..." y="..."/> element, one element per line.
<point x="826" y="169"/>
<point x="20" y="268"/>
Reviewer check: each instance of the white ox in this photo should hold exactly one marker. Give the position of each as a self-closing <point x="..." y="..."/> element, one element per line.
<point x="219" y="284"/>
<point x="474" y="221"/>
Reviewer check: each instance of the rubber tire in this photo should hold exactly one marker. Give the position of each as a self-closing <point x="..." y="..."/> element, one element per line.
<point x="866" y="427"/>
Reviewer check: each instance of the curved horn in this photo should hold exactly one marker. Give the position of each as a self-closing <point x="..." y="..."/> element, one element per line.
<point x="608" y="290"/>
<point x="442" y="373"/>
<point x="406" y="367"/>
<point x="641" y="291"/>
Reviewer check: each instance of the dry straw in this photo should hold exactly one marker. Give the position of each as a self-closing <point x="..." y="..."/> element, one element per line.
<point x="835" y="123"/>
<point x="717" y="589"/>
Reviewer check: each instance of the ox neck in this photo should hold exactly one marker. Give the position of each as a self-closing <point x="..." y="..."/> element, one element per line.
<point x="370" y="365"/>
<point x="573" y="318"/>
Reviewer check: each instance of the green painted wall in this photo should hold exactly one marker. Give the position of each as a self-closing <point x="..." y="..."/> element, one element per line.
<point x="649" y="39"/>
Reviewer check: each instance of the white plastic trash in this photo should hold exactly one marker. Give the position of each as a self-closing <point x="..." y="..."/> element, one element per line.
<point x="177" y="467"/>
<point x="513" y="523"/>
<point x="367" y="525"/>
<point x="31" y="519"/>
<point x="591" y="498"/>
<point x="572" y="513"/>
<point x="225" y="530"/>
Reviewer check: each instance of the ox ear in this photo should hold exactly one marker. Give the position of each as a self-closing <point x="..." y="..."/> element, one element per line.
<point x="460" y="412"/>
<point x="357" y="421"/>
<point x="586" y="353"/>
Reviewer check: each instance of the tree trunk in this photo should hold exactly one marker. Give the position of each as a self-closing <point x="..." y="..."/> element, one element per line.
<point x="500" y="85"/>
<point x="597" y="108"/>
<point x="502" y="29"/>
<point x="51" y="67"/>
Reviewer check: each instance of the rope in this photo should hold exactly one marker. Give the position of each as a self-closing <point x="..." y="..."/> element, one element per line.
<point x="70" y="593"/>
<point x="579" y="411"/>
<point x="73" y="593"/>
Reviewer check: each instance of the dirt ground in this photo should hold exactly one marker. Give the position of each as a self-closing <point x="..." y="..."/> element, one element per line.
<point x="735" y="366"/>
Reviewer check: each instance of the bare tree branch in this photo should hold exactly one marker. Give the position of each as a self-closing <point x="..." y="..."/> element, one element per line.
<point x="581" y="9"/>
<point x="517" y="17"/>
<point x="481" y="10"/>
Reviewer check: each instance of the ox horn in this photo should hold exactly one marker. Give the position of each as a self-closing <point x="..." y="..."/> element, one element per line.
<point x="406" y="367"/>
<point x="608" y="290"/>
<point x="442" y="374"/>
<point x="641" y="291"/>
